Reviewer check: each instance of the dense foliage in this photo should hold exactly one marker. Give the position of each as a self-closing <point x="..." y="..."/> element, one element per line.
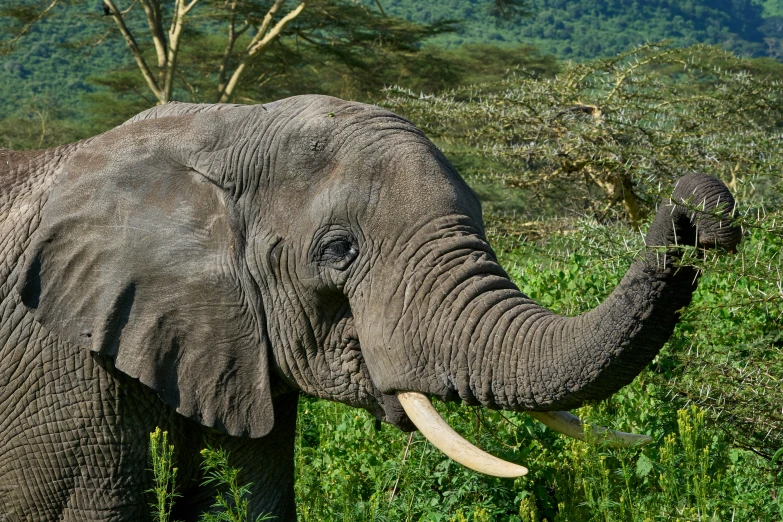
<point x="46" y="67"/>
<point x="610" y="132"/>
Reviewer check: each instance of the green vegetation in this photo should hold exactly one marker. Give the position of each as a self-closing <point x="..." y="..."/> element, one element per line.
<point x="231" y="498"/>
<point x="231" y="503"/>
<point x="46" y="66"/>
<point x="773" y="8"/>
<point x="585" y="29"/>
<point x="698" y="468"/>
<point x="349" y="472"/>
<point x="164" y="475"/>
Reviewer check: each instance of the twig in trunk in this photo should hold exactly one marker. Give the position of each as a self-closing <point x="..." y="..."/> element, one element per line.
<point x="405" y="456"/>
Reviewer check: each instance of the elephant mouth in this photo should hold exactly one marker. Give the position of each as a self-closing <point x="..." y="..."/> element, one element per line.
<point x="390" y="411"/>
<point x="411" y="411"/>
<point x="384" y="407"/>
<point x="395" y="414"/>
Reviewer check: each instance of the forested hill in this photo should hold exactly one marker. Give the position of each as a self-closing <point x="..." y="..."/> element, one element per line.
<point x="65" y="59"/>
<point x="583" y="29"/>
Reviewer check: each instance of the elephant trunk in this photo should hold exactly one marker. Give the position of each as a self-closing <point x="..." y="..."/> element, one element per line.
<point x="507" y="352"/>
<point x="528" y="358"/>
<point x="517" y="355"/>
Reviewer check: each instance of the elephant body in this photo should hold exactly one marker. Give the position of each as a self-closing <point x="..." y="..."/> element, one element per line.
<point x="198" y="267"/>
<point x="74" y="430"/>
<point x="75" y="433"/>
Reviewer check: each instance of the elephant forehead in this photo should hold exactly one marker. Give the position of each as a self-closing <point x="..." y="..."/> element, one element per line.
<point x="311" y="146"/>
<point x="329" y="155"/>
<point x="419" y="185"/>
<point x="406" y="183"/>
<point x="346" y="200"/>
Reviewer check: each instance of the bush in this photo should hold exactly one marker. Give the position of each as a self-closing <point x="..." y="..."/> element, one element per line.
<point x="610" y="134"/>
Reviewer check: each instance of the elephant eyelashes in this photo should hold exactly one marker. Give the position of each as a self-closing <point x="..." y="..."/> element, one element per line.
<point x="339" y="253"/>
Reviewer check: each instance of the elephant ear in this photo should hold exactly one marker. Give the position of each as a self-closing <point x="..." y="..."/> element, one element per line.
<point x="140" y="258"/>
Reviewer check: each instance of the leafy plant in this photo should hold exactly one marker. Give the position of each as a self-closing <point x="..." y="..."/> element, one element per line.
<point x="164" y="475"/>
<point x="231" y="499"/>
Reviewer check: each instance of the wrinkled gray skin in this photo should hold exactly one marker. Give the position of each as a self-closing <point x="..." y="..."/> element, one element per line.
<point x="197" y="267"/>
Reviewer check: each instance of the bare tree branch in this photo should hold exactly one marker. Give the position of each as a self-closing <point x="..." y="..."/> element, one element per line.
<point x="26" y="28"/>
<point x="155" y="21"/>
<point x="262" y="38"/>
<point x="232" y="38"/>
<point x="181" y="9"/>
<point x="134" y="48"/>
<point x="268" y="19"/>
<point x="257" y="46"/>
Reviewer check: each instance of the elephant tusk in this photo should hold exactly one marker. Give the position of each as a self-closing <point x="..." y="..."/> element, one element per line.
<point x="422" y="413"/>
<point x="570" y="425"/>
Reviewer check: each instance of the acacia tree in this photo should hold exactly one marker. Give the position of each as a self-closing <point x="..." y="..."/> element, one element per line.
<point x="264" y="26"/>
<point x="157" y="32"/>
<point x="609" y="133"/>
<point x="166" y="21"/>
<point x="248" y="29"/>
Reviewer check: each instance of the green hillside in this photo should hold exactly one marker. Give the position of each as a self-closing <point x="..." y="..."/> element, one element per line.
<point x="52" y="70"/>
<point x="51" y="65"/>
<point x="574" y="29"/>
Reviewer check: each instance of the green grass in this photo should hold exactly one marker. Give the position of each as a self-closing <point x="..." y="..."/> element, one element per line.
<point x="688" y="473"/>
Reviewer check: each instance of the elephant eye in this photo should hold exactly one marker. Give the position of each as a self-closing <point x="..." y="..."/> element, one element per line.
<point x="339" y="253"/>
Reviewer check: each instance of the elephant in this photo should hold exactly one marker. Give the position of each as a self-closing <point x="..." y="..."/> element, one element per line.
<point x="200" y="266"/>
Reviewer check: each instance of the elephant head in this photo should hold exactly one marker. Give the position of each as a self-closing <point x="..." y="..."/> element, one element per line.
<point x="224" y="255"/>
